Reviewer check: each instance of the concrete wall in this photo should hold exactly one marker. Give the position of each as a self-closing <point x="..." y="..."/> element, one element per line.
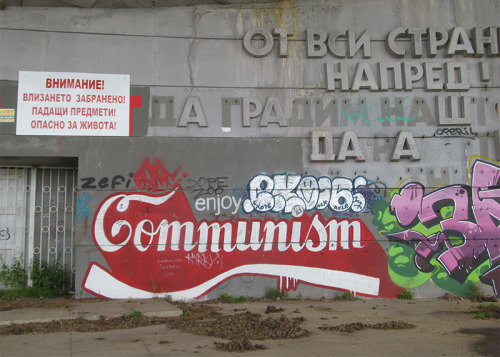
<point x="315" y="189"/>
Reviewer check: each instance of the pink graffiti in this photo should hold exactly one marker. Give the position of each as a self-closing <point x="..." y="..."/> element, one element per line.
<point x="156" y="177"/>
<point x="475" y="221"/>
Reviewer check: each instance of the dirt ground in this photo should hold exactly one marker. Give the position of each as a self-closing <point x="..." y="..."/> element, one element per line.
<point x="241" y="325"/>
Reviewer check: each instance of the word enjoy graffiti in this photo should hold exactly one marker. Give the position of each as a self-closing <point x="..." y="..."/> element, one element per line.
<point x="294" y="193"/>
<point x="218" y="203"/>
<point x="134" y="231"/>
<point x="452" y="234"/>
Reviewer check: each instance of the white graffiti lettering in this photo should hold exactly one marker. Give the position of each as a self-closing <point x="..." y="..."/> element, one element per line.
<point x="206" y="236"/>
<point x="293" y="193"/>
<point x="206" y="261"/>
<point x="218" y="203"/>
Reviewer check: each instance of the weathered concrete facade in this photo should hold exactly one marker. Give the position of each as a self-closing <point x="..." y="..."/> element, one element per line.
<point x="346" y="145"/>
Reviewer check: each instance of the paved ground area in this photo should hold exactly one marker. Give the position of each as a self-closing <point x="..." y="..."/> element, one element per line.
<point x="90" y="310"/>
<point x="442" y="328"/>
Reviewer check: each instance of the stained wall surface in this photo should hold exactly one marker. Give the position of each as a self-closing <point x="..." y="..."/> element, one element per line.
<point x="308" y="146"/>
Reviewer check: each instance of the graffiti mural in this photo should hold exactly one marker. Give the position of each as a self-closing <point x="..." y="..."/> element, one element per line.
<point x="299" y="229"/>
<point x="450" y="235"/>
<point x="154" y="246"/>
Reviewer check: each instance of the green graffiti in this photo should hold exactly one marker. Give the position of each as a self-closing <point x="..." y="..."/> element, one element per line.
<point x="383" y="218"/>
<point x="443" y="280"/>
<point x="401" y="257"/>
<point x="402" y="269"/>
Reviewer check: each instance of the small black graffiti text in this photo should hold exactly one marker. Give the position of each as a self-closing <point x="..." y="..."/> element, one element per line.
<point x="207" y="186"/>
<point x="4" y="234"/>
<point x="117" y="181"/>
<point x="455" y="132"/>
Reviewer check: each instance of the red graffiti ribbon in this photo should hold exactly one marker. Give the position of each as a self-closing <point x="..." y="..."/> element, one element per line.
<point x="154" y="246"/>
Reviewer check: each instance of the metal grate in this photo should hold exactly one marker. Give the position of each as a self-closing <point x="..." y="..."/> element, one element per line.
<point x="53" y="216"/>
<point x="37" y="215"/>
<point x="14" y="190"/>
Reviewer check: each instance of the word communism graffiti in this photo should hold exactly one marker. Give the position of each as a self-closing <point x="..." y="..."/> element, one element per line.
<point x="154" y="247"/>
<point x="450" y="235"/>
